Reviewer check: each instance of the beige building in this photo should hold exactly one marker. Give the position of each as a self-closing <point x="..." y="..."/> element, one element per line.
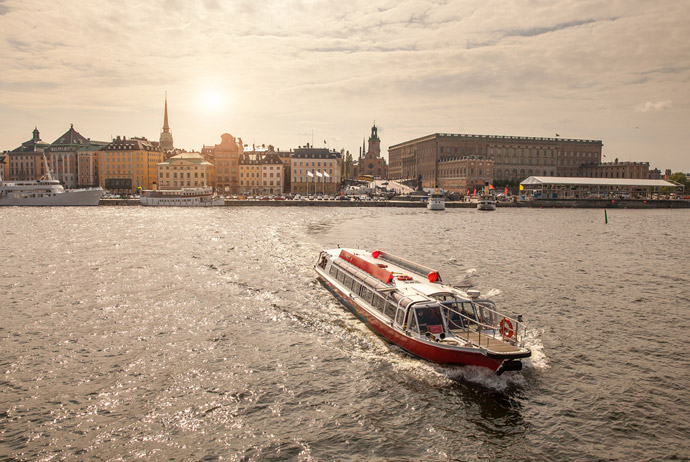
<point x="315" y="171"/>
<point x="262" y="172"/>
<point x="126" y="165"/>
<point x="615" y="169"/>
<point x="515" y="157"/>
<point x="226" y="157"/>
<point x="460" y="174"/>
<point x="186" y="170"/>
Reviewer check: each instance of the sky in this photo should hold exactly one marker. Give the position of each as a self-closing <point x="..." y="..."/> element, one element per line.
<point x="287" y="72"/>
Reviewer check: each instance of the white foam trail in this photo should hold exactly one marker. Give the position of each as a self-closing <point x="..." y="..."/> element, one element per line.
<point x="538" y="360"/>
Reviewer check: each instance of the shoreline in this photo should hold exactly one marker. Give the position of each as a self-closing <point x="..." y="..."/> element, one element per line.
<point x="536" y="203"/>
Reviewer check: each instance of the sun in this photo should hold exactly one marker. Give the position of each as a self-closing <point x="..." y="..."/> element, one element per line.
<point x="212" y="100"/>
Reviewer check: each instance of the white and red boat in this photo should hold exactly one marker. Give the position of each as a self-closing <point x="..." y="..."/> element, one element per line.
<point x="409" y="305"/>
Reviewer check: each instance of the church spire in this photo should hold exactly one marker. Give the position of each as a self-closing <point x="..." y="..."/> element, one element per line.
<point x="166" y="139"/>
<point x="166" y="127"/>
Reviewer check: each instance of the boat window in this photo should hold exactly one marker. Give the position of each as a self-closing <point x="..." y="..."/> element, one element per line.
<point x="486" y="313"/>
<point x="347" y="280"/>
<point x="367" y="294"/>
<point x="429" y="319"/>
<point x="379" y="303"/>
<point x="400" y="316"/>
<point x="332" y="271"/>
<point x="389" y="309"/>
<point x="460" y="314"/>
<point x="341" y="276"/>
<point x="356" y="288"/>
<point x="412" y="321"/>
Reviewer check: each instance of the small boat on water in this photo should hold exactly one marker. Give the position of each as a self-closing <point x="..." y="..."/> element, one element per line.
<point x="185" y="197"/>
<point x="437" y="201"/>
<point x="46" y="192"/>
<point x="408" y="304"/>
<point x="486" y="203"/>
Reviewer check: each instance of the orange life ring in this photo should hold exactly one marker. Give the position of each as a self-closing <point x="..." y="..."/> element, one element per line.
<point x="506" y="328"/>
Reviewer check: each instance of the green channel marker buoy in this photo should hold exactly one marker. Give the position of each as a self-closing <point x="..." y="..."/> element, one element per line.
<point x="606" y="217"/>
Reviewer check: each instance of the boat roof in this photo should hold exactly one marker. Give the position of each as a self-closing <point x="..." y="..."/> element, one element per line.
<point x="408" y="278"/>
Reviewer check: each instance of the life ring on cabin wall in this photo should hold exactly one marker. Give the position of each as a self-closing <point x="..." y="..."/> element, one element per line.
<point x="432" y="276"/>
<point x="506" y="328"/>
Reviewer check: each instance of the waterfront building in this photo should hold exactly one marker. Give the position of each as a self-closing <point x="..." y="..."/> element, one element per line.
<point x="184" y="170"/>
<point x="226" y="157"/>
<point x="461" y="174"/>
<point x="262" y="172"/>
<point x="538" y="187"/>
<point x="63" y="157"/>
<point x="315" y="170"/>
<point x="166" y="138"/>
<point x="616" y="169"/>
<point x="26" y="161"/>
<point x="127" y="165"/>
<point x="372" y="163"/>
<point x="250" y="172"/>
<point x="87" y="163"/>
<point x="272" y="174"/>
<point x="514" y="157"/>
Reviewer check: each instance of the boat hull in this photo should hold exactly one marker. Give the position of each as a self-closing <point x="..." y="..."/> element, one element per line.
<point x="437" y="353"/>
<point x="76" y="197"/>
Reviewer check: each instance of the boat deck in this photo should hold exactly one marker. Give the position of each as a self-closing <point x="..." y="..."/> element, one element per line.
<point x="487" y="341"/>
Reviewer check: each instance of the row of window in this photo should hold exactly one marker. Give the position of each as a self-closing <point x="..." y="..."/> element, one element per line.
<point x="387" y="307"/>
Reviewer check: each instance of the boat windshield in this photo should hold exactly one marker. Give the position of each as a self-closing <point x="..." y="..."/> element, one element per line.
<point x="461" y="314"/>
<point x="429" y="319"/>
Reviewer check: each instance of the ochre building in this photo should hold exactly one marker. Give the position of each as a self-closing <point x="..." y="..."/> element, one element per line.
<point x="127" y="165"/>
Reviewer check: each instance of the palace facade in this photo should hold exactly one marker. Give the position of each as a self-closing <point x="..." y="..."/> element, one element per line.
<point x="514" y="157"/>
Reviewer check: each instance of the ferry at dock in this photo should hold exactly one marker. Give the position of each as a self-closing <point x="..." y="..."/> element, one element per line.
<point x="409" y="305"/>
<point x="185" y="197"/>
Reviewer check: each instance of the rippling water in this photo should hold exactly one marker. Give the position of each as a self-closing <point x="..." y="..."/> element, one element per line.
<point x="137" y="333"/>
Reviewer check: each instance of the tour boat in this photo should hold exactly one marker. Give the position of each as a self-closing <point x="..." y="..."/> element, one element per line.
<point x="486" y="203"/>
<point x="185" y="197"/>
<point x="408" y="304"/>
<point x="45" y="191"/>
<point x="436" y="202"/>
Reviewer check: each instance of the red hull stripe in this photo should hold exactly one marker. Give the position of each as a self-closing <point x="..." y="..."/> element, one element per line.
<point x="379" y="273"/>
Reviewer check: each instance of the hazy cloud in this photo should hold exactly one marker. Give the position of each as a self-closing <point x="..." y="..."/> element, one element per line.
<point x="653" y="106"/>
<point x="286" y="66"/>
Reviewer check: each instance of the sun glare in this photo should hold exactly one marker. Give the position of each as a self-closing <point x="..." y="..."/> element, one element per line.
<point x="212" y="100"/>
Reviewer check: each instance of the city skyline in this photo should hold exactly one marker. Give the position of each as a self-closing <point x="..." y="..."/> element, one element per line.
<point x="291" y="73"/>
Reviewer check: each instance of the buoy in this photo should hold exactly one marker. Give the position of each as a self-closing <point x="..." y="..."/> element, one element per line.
<point x="375" y="254"/>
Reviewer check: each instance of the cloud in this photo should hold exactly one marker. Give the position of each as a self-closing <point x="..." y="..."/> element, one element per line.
<point x="651" y="106"/>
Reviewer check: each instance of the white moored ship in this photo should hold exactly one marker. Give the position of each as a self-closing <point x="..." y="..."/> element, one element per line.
<point x="45" y="192"/>
<point x="408" y="304"/>
<point x="186" y="197"/>
<point x="437" y="201"/>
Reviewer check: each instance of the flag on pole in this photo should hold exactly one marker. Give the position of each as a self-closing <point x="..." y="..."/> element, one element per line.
<point x="468" y="192"/>
<point x="309" y="173"/>
<point x="506" y="190"/>
<point x="319" y="174"/>
<point x="491" y="186"/>
<point x="475" y="192"/>
<point x="326" y="175"/>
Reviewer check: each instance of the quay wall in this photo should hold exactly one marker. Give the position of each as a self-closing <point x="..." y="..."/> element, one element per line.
<point x="536" y="203"/>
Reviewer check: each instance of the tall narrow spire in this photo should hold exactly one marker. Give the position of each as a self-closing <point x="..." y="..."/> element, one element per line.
<point x="166" y="127"/>
<point x="166" y="139"/>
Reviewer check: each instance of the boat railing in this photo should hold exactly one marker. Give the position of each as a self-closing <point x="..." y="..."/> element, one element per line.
<point x="508" y="329"/>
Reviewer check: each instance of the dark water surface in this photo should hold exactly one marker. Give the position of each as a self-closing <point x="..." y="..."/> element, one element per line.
<point x="200" y="334"/>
